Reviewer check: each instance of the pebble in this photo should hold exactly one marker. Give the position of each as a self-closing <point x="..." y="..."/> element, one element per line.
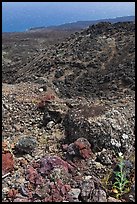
<point x="5" y="190"/>
<point x="98" y="165"/>
<point x="74" y="192"/>
<point x="124" y="136"/>
<point x="41" y="89"/>
<point x="23" y="191"/>
<point x="50" y="124"/>
<point x="86" y="178"/>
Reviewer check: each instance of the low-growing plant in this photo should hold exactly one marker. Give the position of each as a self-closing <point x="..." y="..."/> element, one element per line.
<point x="121" y="184"/>
<point x="116" y="182"/>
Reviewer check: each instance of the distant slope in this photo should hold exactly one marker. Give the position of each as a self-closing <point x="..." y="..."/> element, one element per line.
<point x="84" y="24"/>
<point x="98" y="61"/>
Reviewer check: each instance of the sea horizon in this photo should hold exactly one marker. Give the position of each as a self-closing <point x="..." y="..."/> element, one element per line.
<point x="21" y="16"/>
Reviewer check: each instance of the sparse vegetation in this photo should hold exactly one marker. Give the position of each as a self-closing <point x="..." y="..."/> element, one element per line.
<point x="117" y="182"/>
<point x="121" y="184"/>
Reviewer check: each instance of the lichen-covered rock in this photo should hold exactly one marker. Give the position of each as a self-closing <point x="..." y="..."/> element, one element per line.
<point x="96" y="65"/>
<point x="25" y="145"/>
<point x="103" y="126"/>
<point x="105" y="157"/>
<point x="86" y="190"/>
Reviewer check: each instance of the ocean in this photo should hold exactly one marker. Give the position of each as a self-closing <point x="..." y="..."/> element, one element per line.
<point x="21" y="16"/>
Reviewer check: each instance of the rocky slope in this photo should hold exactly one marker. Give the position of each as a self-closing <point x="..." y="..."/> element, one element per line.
<point x="96" y="62"/>
<point x="68" y="123"/>
<point x="18" y="49"/>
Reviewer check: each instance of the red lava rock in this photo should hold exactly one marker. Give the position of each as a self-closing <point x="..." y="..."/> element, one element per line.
<point x="48" y="191"/>
<point x="58" y="191"/>
<point x="56" y="197"/>
<point x="35" y="164"/>
<point x="50" y="162"/>
<point x="12" y="194"/>
<point x="63" y="190"/>
<point x="61" y="187"/>
<point x="33" y="176"/>
<point x="59" y="182"/>
<point x="82" y="147"/>
<point x="48" y="97"/>
<point x="55" y="193"/>
<point x="85" y="153"/>
<point x="82" y="143"/>
<point x="45" y="99"/>
<point x="7" y="163"/>
<point x="68" y="187"/>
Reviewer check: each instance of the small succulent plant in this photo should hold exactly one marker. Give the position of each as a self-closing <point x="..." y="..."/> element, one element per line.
<point x="116" y="181"/>
<point x="120" y="186"/>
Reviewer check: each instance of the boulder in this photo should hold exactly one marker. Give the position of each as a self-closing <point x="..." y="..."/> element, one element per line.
<point x="102" y="126"/>
<point x="81" y="147"/>
<point x="26" y="144"/>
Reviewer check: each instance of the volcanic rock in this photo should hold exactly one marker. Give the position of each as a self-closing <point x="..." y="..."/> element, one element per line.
<point x="7" y="163"/>
<point x="103" y="127"/>
<point x="79" y="94"/>
<point x="81" y="147"/>
<point x="26" y="145"/>
<point x="92" y="63"/>
<point x="50" y="162"/>
<point x="92" y="192"/>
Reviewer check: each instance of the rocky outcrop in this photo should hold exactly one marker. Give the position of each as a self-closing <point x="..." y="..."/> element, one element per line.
<point x="103" y="126"/>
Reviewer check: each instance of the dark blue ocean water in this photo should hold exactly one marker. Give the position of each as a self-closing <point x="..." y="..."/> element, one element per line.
<point x="20" y="16"/>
